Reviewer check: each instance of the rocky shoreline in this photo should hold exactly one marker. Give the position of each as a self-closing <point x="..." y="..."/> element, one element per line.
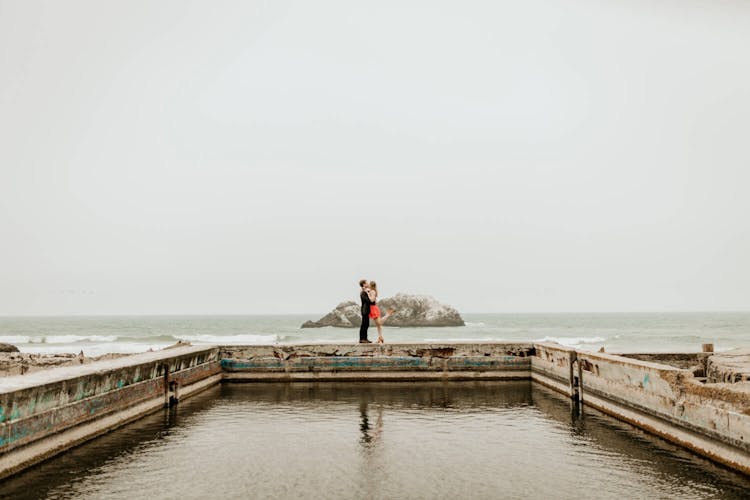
<point x="13" y="362"/>
<point x="20" y="363"/>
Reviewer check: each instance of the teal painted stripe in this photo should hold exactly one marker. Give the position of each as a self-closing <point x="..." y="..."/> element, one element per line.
<point x="367" y="362"/>
<point x="265" y="364"/>
<point x="325" y="362"/>
<point x="508" y="361"/>
<point x="358" y="362"/>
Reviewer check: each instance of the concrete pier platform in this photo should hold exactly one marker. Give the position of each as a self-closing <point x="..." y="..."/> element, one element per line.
<point x="729" y="367"/>
<point x="418" y="361"/>
<point x="47" y="412"/>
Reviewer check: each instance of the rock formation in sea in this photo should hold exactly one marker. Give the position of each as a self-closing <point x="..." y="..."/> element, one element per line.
<point x="410" y="310"/>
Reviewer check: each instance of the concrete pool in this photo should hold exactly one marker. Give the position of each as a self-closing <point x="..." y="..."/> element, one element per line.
<point x="698" y="401"/>
<point x="377" y="440"/>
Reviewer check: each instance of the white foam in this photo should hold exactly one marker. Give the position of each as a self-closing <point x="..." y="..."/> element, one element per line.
<point x="72" y="339"/>
<point x="231" y="339"/>
<point x="724" y="349"/>
<point x="463" y="339"/>
<point x="91" y="350"/>
<point x="14" y="339"/>
<point x="56" y="339"/>
<point x="571" y="341"/>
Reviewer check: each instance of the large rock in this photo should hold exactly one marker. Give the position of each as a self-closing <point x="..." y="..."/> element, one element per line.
<point x="410" y="310"/>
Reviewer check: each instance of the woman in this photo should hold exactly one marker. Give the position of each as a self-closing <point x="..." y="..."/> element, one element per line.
<point x="372" y="292"/>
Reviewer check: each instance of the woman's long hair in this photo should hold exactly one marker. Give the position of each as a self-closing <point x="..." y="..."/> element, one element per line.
<point x="374" y="286"/>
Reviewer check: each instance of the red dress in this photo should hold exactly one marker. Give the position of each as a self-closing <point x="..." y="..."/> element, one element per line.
<point x="374" y="311"/>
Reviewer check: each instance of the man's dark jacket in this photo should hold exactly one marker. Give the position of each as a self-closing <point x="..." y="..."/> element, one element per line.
<point x="365" y="303"/>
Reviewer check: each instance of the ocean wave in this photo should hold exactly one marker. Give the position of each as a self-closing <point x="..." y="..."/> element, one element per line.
<point x="72" y="339"/>
<point x="152" y="338"/>
<point x="286" y="339"/>
<point x="14" y="339"/>
<point x="463" y="339"/>
<point x="571" y="341"/>
<point x="56" y="339"/>
<point x="724" y="349"/>
<point x="232" y="339"/>
<point x="478" y="323"/>
<point x="93" y="350"/>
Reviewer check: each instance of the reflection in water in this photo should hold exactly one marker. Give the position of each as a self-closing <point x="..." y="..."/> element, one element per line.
<point x="364" y="426"/>
<point x="370" y="435"/>
<point x="659" y="460"/>
<point x="377" y="440"/>
<point x="147" y="433"/>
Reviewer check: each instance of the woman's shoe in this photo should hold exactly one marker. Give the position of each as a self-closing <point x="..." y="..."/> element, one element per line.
<point x="380" y="340"/>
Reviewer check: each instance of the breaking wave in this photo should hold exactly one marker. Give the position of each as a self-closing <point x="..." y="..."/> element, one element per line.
<point x="155" y="339"/>
<point x="464" y="339"/>
<point x="232" y="339"/>
<point x="56" y="339"/>
<point x="571" y="341"/>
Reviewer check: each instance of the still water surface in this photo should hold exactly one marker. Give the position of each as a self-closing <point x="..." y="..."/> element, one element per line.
<point x="377" y="440"/>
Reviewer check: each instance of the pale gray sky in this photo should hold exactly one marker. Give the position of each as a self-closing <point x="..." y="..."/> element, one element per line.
<point x="262" y="156"/>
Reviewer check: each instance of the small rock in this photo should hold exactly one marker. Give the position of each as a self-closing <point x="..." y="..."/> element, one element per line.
<point x="179" y="343"/>
<point x="8" y="348"/>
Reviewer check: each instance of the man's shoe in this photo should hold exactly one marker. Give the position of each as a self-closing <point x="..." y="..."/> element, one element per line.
<point x="365" y="341"/>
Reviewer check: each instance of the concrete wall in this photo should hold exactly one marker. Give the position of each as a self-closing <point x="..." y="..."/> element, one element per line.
<point x="711" y="420"/>
<point x="695" y="361"/>
<point x="418" y="361"/>
<point x="729" y="367"/>
<point x="553" y="366"/>
<point x="46" y="412"/>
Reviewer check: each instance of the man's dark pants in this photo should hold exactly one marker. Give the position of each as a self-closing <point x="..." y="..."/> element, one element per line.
<point x="364" y="327"/>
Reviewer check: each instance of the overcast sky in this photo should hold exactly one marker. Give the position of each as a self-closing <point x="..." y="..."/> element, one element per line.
<point x="262" y="156"/>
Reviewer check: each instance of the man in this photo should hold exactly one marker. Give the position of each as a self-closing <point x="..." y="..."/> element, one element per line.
<point x="365" y="298"/>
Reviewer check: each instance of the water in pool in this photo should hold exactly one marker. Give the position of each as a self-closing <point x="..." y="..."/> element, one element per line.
<point x="377" y="440"/>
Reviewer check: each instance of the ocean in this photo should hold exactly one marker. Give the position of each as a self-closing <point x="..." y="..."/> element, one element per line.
<point x="616" y="332"/>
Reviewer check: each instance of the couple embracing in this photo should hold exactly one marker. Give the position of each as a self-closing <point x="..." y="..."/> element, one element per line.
<point x="368" y="293"/>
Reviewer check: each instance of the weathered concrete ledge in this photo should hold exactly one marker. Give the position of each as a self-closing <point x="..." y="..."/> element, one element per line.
<point x="44" y="413"/>
<point x="710" y="419"/>
<point x="730" y="367"/>
<point x="695" y="361"/>
<point x="408" y="361"/>
<point x="19" y="363"/>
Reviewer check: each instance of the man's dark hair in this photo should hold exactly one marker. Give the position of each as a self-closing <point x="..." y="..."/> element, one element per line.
<point x="362" y="283"/>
